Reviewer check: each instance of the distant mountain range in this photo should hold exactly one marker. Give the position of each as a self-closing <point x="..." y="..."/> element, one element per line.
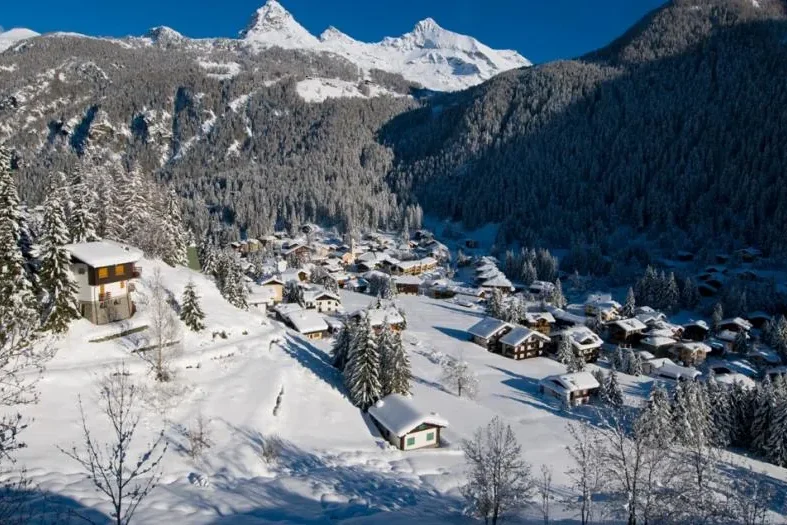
<point x="429" y="55"/>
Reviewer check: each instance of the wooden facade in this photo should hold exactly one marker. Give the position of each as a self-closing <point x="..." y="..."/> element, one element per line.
<point x="532" y="347"/>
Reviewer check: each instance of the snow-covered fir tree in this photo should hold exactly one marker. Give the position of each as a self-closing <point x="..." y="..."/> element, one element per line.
<point x="763" y="411"/>
<point x="558" y="299"/>
<point x="630" y="304"/>
<point x="633" y="363"/>
<point x="776" y="444"/>
<point x="190" y="311"/>
<point x="135" y="206"/>
<point x="176" y="251"/>
<point x="565" y="351"/>
<point x="208" y="257"/>
<point x="57" y="283"/>
<point x="717" y="316"/>
<point x="656" y="419"/>
<point x="81" y="217"/>
<point x="671" y="294"/>
<point x="458" y="377"/>
<point x="362" y="373"/>
<point x="690" y="294"/>
<point x="340" y="351"/>
<point x="619" y="359"/>
<point x="614" y="392"/>
<point x="602" y="384"/>
<point x="16" y="286"/>
<point x="720" y="411"/>
<point x="230" y="280"/>
<point x="395" y="364"/>
<point x="495" y="306"/>
<point x="741" y="343"/>
<point x="293" y="292"/>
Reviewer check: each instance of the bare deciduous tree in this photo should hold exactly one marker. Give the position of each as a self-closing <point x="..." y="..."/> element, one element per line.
<point x="750" y="499"/>
<point x="585" y="474"/>
<point x="199" y="437"/>
<point x="125" y="482"/>
<point x="500" y="481"/>
<point x="458" y="377"/>
<point x="164" y="328"/>
<point x="545" y="492"/>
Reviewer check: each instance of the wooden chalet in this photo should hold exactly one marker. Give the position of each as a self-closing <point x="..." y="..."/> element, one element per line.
<point x="696" y="330"/>
<point x="487" y="333"/>
<point x="572" y="389"/>
<point x="584" y="342"/>
<point x="690" y="353"/>
<point x="404" y="425"/>
<point x="540" y="321"/>
<point x="626" y="330"/>
<point x="276" y="286"/>
<point x="736" y="324"/>
<point x="523" y="343"/>
<point x="308" y="323"/>
<point x="407" y="284"/>
<point x="321" y="300"/>
<point x="379" y="317"/>
<point x="103" y="272"/>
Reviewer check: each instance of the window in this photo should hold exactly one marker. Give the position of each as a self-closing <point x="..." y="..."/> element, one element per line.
<point x="81" y="270"/>
<point x="430" y="436"/>
<point x="410" y="442"/>
<point x="103" y="273"/>
<point x="120" y="270"/>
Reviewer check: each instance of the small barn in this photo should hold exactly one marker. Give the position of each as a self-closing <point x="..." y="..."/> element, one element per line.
<point x="405" y="425"/>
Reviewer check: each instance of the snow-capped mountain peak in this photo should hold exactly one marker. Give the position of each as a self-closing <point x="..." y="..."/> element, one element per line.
<point x="12" y="36"/>
<point x="273" y="26"/>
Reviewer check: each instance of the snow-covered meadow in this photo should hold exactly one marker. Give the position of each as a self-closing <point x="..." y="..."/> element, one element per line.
<point x="264" y="382"/>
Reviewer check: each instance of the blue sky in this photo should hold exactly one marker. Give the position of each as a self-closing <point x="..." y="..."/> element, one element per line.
<point x="541" y="30"/>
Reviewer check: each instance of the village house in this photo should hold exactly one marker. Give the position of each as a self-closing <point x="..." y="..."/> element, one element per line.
<point x="657" y="344"/>
<point x="294" y="274"/>
<point x="378" y="317"/>
<point x="540" y="321"/>
<point x="407" y="284"/>
<point x="322" y="300"/>
<point x="690" y="353"/>
<point x="308" y="323"/>
<point x="523" y="343"/>
<point x="276" y="286"/>
<point x="103" y="272"/>
<point x="416" y="267"/>
<point x="726" y="340"/>
<point x="696" y="330"/>
<point x="296" y="250"/>
<point x="758" y="319"/>
<point x="542" y="288"/>
<point x="626" y="330"/>
<point x="763" y="356"/>
<point x="499" y="282"/>
<point x="260" y="297"/>
<point x="404" y="425"/>
<point x="584" y="341"/>
<point x="665" y="368"/>
<point x="283" y="310"/>
<point x="736" y="324"/>
<point x="488" y="331"/>
<point x="602" y="306"/>
<point x="572" y="389"/>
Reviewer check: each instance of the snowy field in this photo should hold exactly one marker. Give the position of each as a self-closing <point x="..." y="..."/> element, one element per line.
<point x="334" y="466"/>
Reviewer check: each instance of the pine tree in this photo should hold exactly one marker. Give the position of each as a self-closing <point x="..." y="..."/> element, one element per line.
<point x="630" y="304"/>
<point x="602" y="392"/>
<point x="558" y="299"/>
<point x="494" y="305"/>
<point x="395" y="370"/>
<point x="293" y="292"/>
<point x="656" y="419"/>
<point x="671" y="293"/>
<point x="176" y="251"/>
<point x="81" y="219"/>
<point x="207" y="256"/>
<point x="565" y="351"/>
<point x="762" y="416"/>
<point x="340" y="351"/>
<point x="741" y="343"/>
<point x="362" y="373"/>
<point x="16" y="286"/>
<point x="720" y="412"/>
<point x="55" y="274"/>
<point x="614" y="392"/>
<point x="718" y="315"/>
<point x="619" y="359"/>
<point x="690" y="294"/>
<point x="529" y="273"/>
<point x="776" y="444"/>
<point x="779" y="337"/>
<point x="230" y="280"/>
<point x="190" y="312"/>
<point x="633" y="363"/>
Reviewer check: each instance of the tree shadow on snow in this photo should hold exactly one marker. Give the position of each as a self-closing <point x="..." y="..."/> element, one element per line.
<point x="34" y="506"/>
<point x="461" y="335"/>
<point x="315" y="360"/>
<point x="311" y="488"/>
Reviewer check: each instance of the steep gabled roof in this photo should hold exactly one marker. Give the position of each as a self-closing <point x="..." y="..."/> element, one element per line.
<point x="400" y="415"/>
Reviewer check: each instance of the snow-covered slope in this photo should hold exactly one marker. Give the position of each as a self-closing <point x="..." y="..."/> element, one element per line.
<point x="12" y="36"/>
<point x="429" y="55"/>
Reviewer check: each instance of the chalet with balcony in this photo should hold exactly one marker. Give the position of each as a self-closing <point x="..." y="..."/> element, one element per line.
<point x="540" y="321"/>
<point x="487" y="333"/>
<point x="104" y="272"/>
<point x="572" y="389"/>
<point x="523" y="343"/>
<point x="626" y="330"/>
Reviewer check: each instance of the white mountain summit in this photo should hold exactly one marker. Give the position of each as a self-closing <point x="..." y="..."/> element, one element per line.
<point x="434" y="57"/>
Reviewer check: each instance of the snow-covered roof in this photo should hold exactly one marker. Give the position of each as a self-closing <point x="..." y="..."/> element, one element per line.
<point x="103" y="253"/>
<point x="765" y="353"/>
<point x="731" y="379"/>
<point x="737" y="321"/>
<point x="630" y="325"/>
<point x="700" y="324"/>
<point x="260" y="295"/>
<point x="313" y="294"/>
<point x="582" y="337"/>
<point x="292" y="275"/>
<point x="487" y="327"/>
<point x="378" y="316"/>
<point x="657" y="341"/>
<point x="499" y="281"/>
<point x="285" y="309"/>
<point x="542" y="286"/>
<point x="407" y="279"/>
<point x="307" y="321"/>
<point x="570" y="382"/>
<point x="271" y="280"/>
<point x="645" y="355"/>
<point x="520" y="334"/>
<point x="534" y="317"/>
<point x="667" y="368"/>
<point x="727" y="336"/>
<point x="333" y="323"/>
<point x="400" y="415"/>
<point x="694" y="346"/>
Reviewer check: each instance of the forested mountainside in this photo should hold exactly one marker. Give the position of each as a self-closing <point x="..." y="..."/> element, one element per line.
<point x="676" y="129"/>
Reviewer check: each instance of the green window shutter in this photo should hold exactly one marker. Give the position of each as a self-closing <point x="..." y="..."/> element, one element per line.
<point x="410" y="442"/>
<point x="430" y="436"/>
